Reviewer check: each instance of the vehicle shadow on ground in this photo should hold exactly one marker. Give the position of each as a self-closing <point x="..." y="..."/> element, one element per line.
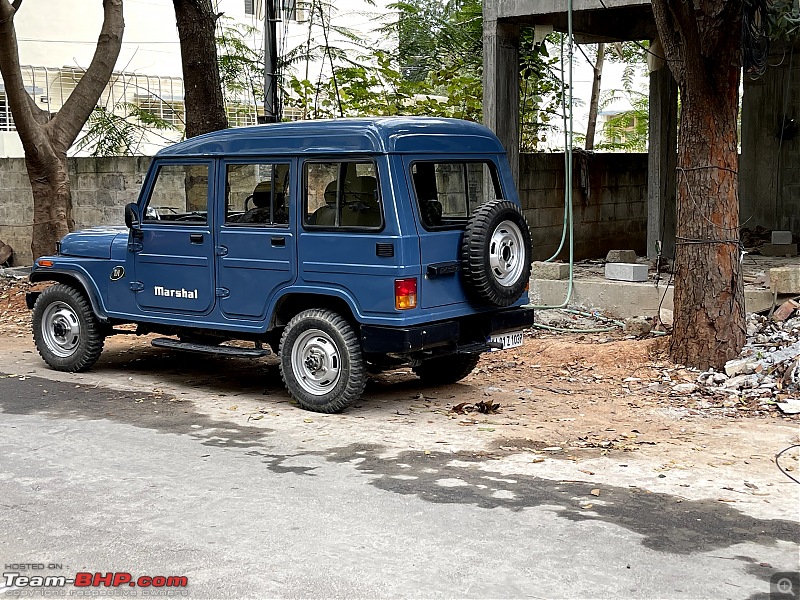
<point x="258" y="379"/>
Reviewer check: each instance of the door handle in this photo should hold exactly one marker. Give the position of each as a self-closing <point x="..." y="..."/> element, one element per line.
<point x="278" y="241"/>
<point x="196" y="238"/>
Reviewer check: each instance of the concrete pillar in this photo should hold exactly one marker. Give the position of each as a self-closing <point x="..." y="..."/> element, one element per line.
<point x="501" y="85"/>
<point x="662" y="161"/>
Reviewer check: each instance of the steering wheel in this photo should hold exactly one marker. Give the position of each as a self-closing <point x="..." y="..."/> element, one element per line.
<point x="247" y="201"/>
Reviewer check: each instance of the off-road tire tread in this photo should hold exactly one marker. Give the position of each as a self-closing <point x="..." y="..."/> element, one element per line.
<point x="444" y="370"/>
<point x="479" y="284"/>
<point x="356" y="377"/>
<point x="92" y="338"/>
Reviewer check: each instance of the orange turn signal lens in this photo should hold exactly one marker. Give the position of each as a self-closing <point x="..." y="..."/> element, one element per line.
<point x="45" y="263"/>
<point x="405" y="293"/>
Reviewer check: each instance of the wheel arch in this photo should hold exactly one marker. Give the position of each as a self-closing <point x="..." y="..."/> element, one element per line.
<point x="294" y="303"/>
<point x="77" y="280"/>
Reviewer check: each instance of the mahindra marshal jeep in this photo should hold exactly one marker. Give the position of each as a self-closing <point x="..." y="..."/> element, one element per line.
<point x="344" y="246"/>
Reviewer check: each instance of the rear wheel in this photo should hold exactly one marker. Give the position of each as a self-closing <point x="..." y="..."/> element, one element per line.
<point x="321" y="361"/>
<point x="66" y="333"/>
<point x="443" y="370"/>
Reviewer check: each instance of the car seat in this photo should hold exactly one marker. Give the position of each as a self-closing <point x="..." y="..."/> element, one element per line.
<point x="363" y="206"/>
<point x="262" y="196"/>
<point x="326" y="215"/>
<point x="425" y="188"/>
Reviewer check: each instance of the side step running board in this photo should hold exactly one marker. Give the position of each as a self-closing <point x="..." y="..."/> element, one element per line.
<point x="173" y="344"/>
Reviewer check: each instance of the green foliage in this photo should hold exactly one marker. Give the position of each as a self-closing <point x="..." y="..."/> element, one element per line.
<point x="627" y="130"/>
<point x="120" y="131"/>
<point x="782" y="19"/>
<point x="241" y="67"/>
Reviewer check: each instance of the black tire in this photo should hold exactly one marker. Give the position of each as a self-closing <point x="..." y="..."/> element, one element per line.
<point x="321" y="361"/>
<point x="66" y="333"/>
<point x="444" y="370"/>
<point x="496" y="254"/>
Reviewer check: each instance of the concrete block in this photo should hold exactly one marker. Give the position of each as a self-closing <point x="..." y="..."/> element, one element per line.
<point x="778" y="250"/>
<point x="781" y="237"/>
<point x="549" y="270"/>
<point x="626" y="271"/>
<point x="621" y="256"/>
<point x="785" y="280"/>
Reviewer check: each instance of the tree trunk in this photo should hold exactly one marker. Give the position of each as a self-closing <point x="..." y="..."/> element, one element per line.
<point x="46" y="138"/>
<point x="205" y="105"/>
<point x="594" y="102"/>
<point x="52" y="200"/>
<point x="702" y="44"/>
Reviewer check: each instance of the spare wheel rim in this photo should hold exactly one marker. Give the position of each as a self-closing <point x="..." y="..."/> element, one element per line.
<point x="507" y="253"/>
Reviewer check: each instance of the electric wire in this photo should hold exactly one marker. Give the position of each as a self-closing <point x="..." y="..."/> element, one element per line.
<point x="778" y="464"/>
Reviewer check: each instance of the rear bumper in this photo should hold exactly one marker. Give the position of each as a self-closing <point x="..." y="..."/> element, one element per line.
<point x="467" y="334"/>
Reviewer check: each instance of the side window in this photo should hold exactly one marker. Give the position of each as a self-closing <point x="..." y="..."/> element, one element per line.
<point x="179" y="195"/>
<point x="449" y="192"/>
<point x="257" y="194"/>
<point x="341" y="194"/>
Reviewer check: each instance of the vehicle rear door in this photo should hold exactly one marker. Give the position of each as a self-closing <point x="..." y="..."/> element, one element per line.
<point x="445" y="192"/>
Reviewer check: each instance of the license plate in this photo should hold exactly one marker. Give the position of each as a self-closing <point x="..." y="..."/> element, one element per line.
<point x="510" y="339"/>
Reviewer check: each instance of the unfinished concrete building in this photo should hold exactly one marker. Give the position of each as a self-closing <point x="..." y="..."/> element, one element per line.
<point x="614" y="202"/>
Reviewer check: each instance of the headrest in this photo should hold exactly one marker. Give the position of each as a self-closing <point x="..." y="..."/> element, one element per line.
<point x="330" y="192"/>
<point x="262" y="194"/>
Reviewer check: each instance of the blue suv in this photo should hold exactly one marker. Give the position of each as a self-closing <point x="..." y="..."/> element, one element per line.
<point x="346" y="247"/>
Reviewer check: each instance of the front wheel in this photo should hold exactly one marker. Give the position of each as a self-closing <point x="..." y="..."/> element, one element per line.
<point x="321" y="361"/>
<point x="443" y="370"/>
<point x="65" y="330"/>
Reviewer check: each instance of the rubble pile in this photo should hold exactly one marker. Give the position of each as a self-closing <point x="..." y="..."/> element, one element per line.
<point x="766" y="373"/>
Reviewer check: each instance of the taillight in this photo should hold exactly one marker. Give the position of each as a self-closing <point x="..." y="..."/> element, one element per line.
<point x="405" y="293"/>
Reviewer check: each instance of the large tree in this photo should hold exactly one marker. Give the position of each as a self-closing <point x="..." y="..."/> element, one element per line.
<point x="205" y="105"/>
<point x="702" y="43"/>
<point x="47" y="137"/>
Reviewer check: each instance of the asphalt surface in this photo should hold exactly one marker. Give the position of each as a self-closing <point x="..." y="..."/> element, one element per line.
<point x="100" y="480"/>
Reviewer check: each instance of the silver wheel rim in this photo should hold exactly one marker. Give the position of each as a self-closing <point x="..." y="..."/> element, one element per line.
<point x="316" y="362"/>
<point x="61" y="329"/>
<point x="506" y="253"/>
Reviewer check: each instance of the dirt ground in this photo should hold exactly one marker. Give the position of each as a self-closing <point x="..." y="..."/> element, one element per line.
<point x="572" y="398"/>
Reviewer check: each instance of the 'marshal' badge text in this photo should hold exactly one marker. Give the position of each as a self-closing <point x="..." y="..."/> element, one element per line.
<point x="181" y="293"/>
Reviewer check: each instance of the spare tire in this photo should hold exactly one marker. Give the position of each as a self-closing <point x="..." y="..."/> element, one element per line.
<point x="496" y="254"/>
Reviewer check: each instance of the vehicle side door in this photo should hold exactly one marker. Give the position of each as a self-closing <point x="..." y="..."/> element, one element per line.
<point x="174" y="248"/>
<point x="256" y="254"/>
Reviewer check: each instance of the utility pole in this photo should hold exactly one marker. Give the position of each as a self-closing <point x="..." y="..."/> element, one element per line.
<point x="271" y="107"/>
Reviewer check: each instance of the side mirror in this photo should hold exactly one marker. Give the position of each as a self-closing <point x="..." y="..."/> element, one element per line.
<point x="132" y="220"/>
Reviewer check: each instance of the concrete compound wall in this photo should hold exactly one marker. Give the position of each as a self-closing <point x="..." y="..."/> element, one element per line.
<point x="610" y="204"/>
<point x="101" y="187"/>
<point x="609" y="200"/>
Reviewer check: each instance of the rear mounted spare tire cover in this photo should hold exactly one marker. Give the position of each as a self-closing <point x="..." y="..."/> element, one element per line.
<point x="496" y="254"/>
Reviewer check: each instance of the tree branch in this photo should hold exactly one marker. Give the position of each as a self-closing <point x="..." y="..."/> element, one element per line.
<point x="27" y="116"/>
<point x="66" y="125"/>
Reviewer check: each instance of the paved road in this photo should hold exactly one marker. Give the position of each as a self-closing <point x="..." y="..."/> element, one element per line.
<point x="98" y="480"/>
